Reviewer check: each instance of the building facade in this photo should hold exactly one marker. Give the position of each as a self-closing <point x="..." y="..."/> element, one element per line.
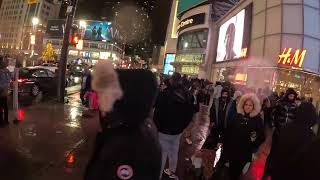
<point x="191" y="25"/>
<point x="271" y="44"/>
<point x="16" y="25"/>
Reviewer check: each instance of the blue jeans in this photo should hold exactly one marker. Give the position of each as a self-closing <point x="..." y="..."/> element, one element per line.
<point x="170" y="149"/>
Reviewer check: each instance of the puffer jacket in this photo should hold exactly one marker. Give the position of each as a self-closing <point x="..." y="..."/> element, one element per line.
<point x="284" y="113"/>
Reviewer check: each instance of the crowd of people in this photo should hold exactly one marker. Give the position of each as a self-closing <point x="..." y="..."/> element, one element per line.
<point x="142" y="121"/>
<point x="239" y="121"/>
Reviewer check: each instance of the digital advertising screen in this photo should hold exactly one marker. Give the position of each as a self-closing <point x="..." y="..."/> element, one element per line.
<point x="94" y="30"/>
<point x="231" y="35"/>
<point x="167" y="63"/>
<point x="98" y="31"/>
<point x="55" y="28"/>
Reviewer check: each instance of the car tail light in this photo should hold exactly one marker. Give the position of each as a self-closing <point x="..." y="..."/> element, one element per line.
<point x="22" y="80"/>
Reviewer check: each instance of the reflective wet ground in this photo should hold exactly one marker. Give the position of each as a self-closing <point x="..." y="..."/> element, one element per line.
<point x="51" y="141"/>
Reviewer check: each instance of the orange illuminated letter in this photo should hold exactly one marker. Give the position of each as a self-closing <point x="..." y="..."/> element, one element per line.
<point x="244" y="52"/>
<point x="298" y="58"/>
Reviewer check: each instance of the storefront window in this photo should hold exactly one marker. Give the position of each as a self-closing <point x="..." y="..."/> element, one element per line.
<point x="193" y="39"/>
<point x="190" y="58"/>
<point x="190" y="69"/>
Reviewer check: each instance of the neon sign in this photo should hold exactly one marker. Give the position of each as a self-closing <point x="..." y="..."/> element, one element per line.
<point x="296" y="60"/>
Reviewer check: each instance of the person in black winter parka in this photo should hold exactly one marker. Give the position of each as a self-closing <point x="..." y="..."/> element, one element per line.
<point x="128" y="147"/>
<point x="292" y="140"/>
<point x="174" y="110"/>
<point x="285" y="111"/>
<point x="218" y="119"/>
<point x="244" y="135"/>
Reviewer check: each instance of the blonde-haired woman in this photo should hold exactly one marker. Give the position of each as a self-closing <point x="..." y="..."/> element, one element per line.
<point x="244" y="134"/>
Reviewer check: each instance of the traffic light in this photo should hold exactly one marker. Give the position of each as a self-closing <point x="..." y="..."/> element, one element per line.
<point x="74" y="39"/>
<point x="74" y="35"/>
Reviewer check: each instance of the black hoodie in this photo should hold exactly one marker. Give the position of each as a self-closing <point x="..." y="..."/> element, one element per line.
<point x="174" y="110"/>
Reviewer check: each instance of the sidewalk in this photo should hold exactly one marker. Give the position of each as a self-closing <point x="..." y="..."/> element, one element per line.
<point x="36" y="148"/>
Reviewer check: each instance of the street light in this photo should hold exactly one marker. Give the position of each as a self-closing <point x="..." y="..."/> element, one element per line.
<point x="35" y="21"/>
<point x="83" y="24"/>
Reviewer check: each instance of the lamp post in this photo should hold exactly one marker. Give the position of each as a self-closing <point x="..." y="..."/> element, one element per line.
<point x="35" y="22"/>
<point x="64" y="50"/>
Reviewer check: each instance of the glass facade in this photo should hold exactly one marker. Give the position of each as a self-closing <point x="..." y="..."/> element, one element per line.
<point x="193" y="40"/>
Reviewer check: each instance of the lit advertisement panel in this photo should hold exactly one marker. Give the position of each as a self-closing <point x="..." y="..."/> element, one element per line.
<point x="231" y="38"/>
<point x="98" y="31"/>
<point x="94" y="30"/>
<point x="55" y="28"/>
<point x="167" y="63"/>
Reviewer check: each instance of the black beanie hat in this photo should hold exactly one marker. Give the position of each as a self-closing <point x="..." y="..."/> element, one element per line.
<point x="291" y="91"/>
<point x="139" y="91"/>
<point x="225" y="90"/>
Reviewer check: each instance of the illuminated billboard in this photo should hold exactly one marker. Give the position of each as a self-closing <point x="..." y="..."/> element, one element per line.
<point x="55" y="28"/>
<point x="234" y="37"/>
<point x="98" y="31"/>
<point x="184" y="5"/>
<point x="167" y="63"/>
<point x="93" y="30"/>
<point x="230" y="38"/>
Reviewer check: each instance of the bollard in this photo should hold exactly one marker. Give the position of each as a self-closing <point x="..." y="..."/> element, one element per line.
<point x="16" y="96"/>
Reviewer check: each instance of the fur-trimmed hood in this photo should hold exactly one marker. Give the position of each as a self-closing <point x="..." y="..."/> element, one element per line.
<point x="256" y="104"/>
<point x="106" y="83"/>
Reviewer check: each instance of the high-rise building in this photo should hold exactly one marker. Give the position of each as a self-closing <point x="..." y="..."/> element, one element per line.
<point x="20" y="18"/>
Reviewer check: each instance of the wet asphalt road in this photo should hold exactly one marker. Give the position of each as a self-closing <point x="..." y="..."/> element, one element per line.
<point x="52" y="141"/>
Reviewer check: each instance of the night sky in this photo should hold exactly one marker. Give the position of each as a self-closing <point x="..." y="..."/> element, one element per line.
<point x="93" y="9"/>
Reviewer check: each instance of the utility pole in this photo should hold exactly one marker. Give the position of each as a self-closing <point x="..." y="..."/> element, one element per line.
<point x="64" y="50"/>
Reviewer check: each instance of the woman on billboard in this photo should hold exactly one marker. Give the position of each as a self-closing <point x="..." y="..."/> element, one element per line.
<point x="229" y="42"/>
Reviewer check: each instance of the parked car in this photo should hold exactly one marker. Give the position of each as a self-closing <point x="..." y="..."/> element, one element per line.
<point x="33" y="80"/>
<point x="50" y="66"/>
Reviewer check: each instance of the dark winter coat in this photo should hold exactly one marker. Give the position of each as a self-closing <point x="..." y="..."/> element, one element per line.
<point x="128" y="145"/>
<point x="123" y="146"/>
<point x="291" y="139"/>
<point x="232" y="112"/>
<point x="308" y="164"/>
<point x="239" y="142"/>
<point x="219" y="111"/>
<point x="267" y="116"/>
<point x="284" y="112"/>
<point x="174" y="110"/>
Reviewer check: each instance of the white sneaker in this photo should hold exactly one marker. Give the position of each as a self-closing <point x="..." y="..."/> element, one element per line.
<point x="171" y="174"/>
<point x="168" y="172"/>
